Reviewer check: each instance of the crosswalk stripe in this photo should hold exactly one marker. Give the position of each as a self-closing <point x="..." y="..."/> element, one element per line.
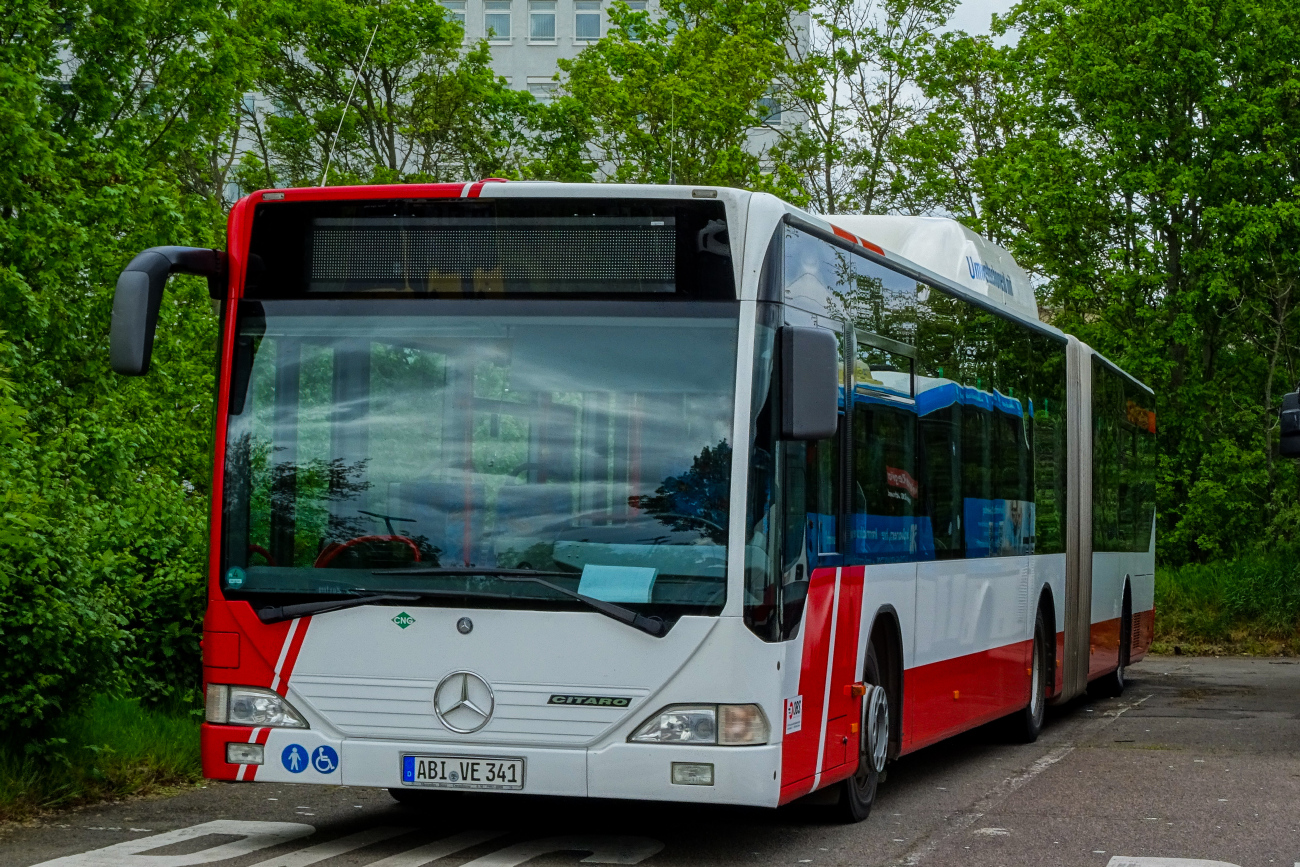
<point x="323" y="851"/>
<point x="422" y="855"/>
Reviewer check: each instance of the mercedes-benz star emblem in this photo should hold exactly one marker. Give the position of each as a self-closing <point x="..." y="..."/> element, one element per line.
<point x="463" y="702"/>
<point x="464" y="626"/>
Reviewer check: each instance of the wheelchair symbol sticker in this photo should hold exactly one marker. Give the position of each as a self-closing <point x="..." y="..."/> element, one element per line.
<point x="325" y="760"/>
<point x="294" y="759"/>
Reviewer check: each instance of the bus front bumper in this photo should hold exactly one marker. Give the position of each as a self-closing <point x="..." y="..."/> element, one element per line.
<point x="739" y="775"/>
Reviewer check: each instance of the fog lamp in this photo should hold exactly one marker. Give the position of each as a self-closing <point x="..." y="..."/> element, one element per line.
<point x="245" y="754"/>
<point x="692" y="774"/>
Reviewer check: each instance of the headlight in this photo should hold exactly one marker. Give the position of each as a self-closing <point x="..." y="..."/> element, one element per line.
<point x="728" y="725"/>
<point x="250" y="706"/>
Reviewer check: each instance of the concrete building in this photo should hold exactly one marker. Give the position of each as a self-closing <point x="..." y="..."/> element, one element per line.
<point x="528" y="37"/>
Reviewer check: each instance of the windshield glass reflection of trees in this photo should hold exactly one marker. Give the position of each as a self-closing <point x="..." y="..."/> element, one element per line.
<point x="595" y="446"/>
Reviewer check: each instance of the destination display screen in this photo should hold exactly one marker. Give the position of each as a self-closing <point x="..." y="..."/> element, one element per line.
<point x="485" y="248"/>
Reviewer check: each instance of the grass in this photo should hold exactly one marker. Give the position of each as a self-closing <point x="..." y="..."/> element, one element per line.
<point x="113" y="749"/>
<point x="1249" y="605"/>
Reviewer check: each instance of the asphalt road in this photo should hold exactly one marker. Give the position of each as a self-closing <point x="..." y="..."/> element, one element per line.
<point x="1200" y="759"/>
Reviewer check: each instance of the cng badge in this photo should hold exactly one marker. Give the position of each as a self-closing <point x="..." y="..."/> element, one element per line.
<point x="403" y="620"/>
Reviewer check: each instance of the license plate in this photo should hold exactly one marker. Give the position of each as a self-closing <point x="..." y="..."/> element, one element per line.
<point x="462" y="772"/>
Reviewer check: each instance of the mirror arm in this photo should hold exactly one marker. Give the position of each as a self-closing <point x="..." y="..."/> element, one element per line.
<point x="138" y="298"/>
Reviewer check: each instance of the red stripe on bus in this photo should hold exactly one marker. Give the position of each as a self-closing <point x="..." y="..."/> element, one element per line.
<point x="947" y="697"/>
<point x="379" y="191"/>
<point x="848" y="236"/>
<point x="872" y="247"/>
<point x="840" y="754"/>
<point x="291" y="655"/>
<point x="477" y="189"/>
<point x="251" y="773"/>
<point x="839" y="761"/>
<point x="799" y="749"/>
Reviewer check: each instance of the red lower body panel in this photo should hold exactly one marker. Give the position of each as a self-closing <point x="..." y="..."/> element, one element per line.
<point x="953" y="695"/>
<point x="1103" y="648"/>
<point x="212" y="746"/>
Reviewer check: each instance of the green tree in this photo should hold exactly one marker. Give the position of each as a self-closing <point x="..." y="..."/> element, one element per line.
<point x="390" y="89"/>
<point x="851" y="85"/>
<point x="1141" y="157"/>
<point x="112" y="114"/>
<point x="677" y="97"/>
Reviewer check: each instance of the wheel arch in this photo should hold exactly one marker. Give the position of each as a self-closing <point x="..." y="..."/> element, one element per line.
<point x="886" y="636"/>
<point x="1047" y="604"/>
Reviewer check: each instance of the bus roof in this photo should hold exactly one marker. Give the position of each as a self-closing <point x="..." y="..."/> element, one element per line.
<point x="950" y="250"/>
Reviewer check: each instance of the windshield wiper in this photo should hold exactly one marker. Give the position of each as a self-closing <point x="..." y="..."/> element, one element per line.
<point x="280" y="613"/>
<point x="649" y="625"/>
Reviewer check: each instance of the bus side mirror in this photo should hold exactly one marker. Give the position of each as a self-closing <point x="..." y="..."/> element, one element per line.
<point x="810" y="383"/>
<point x="1291" y="425"/>
<point x="138" y="298"/>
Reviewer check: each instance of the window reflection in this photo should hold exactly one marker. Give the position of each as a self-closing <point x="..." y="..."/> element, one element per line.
<point x="371" y="440"/>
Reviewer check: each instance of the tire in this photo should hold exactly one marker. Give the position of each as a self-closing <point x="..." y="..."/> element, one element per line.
<point x="1029" y="722"/>
<point x="1112" y="685"/>
<point x="858" y="792"/>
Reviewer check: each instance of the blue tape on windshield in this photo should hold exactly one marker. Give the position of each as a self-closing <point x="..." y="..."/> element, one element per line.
<point x="618" y="583"/>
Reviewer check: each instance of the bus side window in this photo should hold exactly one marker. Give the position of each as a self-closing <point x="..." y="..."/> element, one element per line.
<point x="883" y="516"/>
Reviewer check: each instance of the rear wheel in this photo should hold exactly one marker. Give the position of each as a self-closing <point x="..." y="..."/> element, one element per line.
<point x="858" y="792"/>
<point x="1029" y="722"/>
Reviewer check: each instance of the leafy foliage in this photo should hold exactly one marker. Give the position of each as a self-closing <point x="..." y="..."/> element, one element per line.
<point x="674" y="98"/>
<point x="1141" y="158"/>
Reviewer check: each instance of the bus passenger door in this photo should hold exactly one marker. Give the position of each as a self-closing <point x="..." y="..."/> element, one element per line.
<point x="823" y="749"/>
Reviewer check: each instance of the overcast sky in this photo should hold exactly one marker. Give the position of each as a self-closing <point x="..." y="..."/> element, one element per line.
<point x="973" y="15"/>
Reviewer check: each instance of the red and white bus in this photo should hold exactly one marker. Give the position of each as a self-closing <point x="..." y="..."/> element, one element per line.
<point x="643" y="492"/>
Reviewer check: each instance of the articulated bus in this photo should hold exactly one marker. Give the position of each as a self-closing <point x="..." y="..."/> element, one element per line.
<point x="643" y="492"/>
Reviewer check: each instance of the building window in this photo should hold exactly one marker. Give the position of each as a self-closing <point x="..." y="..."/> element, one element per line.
<point x="541" y="21"/>
<point x="586" y="20"/>
<point x="455" y="11"/>
<point x="634" y="32"/>
<point x="769" y="110"/>
<point x="542" y="89"/>
<point x="496" y="20"/>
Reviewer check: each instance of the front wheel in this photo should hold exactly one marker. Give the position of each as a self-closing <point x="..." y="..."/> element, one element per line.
<point x="858" y="792"/>
<point x="1029" y="722"/>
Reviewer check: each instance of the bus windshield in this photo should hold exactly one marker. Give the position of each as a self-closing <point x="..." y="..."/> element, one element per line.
<point x="588" y="439"/>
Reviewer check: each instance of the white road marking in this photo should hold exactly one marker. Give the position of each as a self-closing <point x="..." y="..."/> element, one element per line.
<point x="1127" y="861"/>
<point x="256" y="835"/>
<point x="604" y="850"/>
<point x="323" y="851"/>
<point x="422" y="855"/>
<point x="1004" y="789"/>
<point x="263" y="835"/>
